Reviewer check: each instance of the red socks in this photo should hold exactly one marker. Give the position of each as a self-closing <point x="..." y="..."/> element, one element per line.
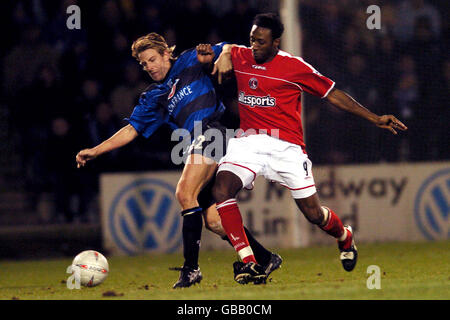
<point x="335" y="228"/>
<point x="347" y="243"/>
<point x="233" y="226"/>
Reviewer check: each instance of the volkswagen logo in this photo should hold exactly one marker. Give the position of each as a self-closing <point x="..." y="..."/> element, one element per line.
<point x="144" y="217"/>
<point x="432" y="206"/>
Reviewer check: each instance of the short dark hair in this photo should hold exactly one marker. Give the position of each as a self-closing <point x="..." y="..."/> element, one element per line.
<point x="270" y="21"/>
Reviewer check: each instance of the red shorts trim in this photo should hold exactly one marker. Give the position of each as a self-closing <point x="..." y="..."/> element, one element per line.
<point x="298" y="188"/>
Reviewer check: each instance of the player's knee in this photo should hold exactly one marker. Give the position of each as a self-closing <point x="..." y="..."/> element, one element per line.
<point x="220" y="193"/>
<point x="227" y="185"/>
<point x="184" y="195"/>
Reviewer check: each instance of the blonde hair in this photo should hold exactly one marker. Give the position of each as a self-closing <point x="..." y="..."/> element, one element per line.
<point x="151" y="41"/>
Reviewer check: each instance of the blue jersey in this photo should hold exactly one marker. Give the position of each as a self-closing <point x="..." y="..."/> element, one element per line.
<point x="186" y="96"/>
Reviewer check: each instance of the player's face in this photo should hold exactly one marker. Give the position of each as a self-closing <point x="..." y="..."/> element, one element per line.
<point x="155" y="64"/>
<point x="264" y="48"/>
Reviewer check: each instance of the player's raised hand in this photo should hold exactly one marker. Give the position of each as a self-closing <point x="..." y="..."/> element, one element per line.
<point x="84" y="156"/>
<point x="205" y="53"/>
<point x="391" y="123"/>
<point x="223" y="66"/>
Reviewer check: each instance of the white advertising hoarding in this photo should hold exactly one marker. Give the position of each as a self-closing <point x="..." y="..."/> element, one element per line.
<point x="396" y="202"/>
<point x="401" y="202"/>
<point x="140" y="214"/>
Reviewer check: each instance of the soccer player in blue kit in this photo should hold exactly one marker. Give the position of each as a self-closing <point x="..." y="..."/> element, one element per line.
<point x="182" y="96"/>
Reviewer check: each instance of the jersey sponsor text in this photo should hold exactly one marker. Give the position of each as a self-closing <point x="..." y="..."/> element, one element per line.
<point x="256" y="101"/>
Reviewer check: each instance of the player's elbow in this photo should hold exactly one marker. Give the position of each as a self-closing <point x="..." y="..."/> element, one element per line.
<point x="334" y="96"/>
<point x="131" y="132"/>
<point x="340" y="99"/>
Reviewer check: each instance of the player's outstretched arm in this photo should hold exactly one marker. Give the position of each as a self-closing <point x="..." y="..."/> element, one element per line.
<point x="119" y="139"/>
<point x="345" y="102"/>
<point x="223" y="65"/>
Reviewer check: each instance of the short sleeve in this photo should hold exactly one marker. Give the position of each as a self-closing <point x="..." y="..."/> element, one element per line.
<point x="239" y="55"/>
<point x="217" y="48"/>
<point x="147" y="117"/>
<point x="235" y="50"/>
<point x="311" y="80"/>
<point x="189" y="57"/>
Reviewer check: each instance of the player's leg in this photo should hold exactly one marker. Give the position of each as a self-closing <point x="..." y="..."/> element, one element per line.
<point x="237" y="169"/>
<point x="269" y="260"/>
<point x="327" y="220"/>
<point x="225" y="189"/>
<point x="299" y="179"/>
<point x="320" y="216"/>
<point x="194" y="196"/>
<point x="196" y="173"/>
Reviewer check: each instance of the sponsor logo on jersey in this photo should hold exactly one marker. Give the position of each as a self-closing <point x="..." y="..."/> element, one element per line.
<point x="178" y="96"/>
<point x="254" y="66"/>
<point x="256" y="101"/>
<point x="173" y="89"/>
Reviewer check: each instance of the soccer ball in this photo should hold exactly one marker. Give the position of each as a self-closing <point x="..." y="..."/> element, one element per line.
<point x="91" y="267"/>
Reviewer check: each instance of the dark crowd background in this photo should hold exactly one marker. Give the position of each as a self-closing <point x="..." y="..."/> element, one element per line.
<point x="64" y="90"/>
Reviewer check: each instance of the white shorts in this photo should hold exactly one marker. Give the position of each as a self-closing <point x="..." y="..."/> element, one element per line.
<point x="276" y="160"/>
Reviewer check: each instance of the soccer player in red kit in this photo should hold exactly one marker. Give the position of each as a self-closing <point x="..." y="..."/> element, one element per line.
<point x="270" y="83"/>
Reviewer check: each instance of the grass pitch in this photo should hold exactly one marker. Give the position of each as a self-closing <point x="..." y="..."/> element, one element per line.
<point x="408" y="271"/>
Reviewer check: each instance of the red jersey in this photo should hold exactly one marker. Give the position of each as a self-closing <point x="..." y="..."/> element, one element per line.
<point x="269" y="94"/>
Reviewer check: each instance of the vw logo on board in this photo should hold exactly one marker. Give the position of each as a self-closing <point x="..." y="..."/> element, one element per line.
<point x="144" y="217"/>
<point x="432" y="206"/>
